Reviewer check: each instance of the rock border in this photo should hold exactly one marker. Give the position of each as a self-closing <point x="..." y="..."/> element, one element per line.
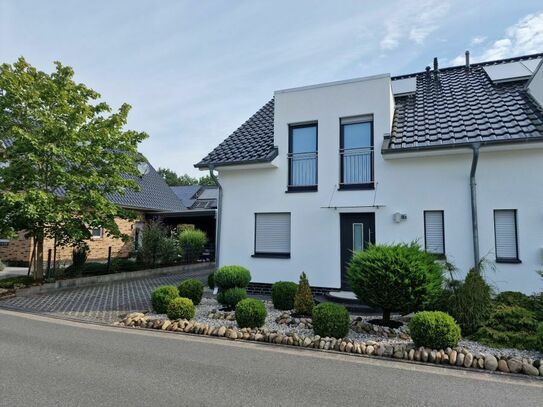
<point x="457" y="357"/>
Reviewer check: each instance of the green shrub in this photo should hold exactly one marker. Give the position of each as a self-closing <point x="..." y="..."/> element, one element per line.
<point x="125" y="265"/>
<point x="303" y="300"/>
<point x="331" y="320"/>
<point x="12" y="282"/>
<point x="283" y="293"/>
<point x="2" y="267"/>
<point x="434" y="329"/>
<point x="211" y="281"/>
<point x="400" y="277"/>
<point x="94" y="268"/>
<point x="232" y="276"/>
<point x="230" y="297"/>
<point x="161" y="297"/>
<point x="192" y="289"/>
<point x="191" y="244"/>
<point x="470" y="302"/>
<point x="514" y="298"/>
<point x="250" y="313"/>
<point x="509" y="327"/>
<point x="79" y="257"/>
<point x="181" y="308"/>
<point x="539" y="346"/>
<point x="157" y="247"/>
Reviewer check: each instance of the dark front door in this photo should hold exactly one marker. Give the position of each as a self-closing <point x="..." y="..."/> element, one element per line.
<point x="357" y="230"/>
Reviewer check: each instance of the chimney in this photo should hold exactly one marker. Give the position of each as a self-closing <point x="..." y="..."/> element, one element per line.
<point x="467" y="59"/>
<point x="436" y="67"/>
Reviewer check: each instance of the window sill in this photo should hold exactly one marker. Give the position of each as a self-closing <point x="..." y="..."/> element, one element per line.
<point x="351" y="187"/>
<point x="272" y="255"/>
<point x="302" y="189"/>
<point x="509" y="261"/>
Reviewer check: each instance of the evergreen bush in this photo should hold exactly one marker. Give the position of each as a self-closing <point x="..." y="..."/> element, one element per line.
<point x="181" y="308"/>
<point x="162" y="296"/>
<point x="400" y="277"/>
<point x="250" y="313"/>
<point x="303" y="300"/>
<point x="211" y="280"/>
<point x="434" y="329"/>
<point x="331" y="320"/>
<point x="231" y="296"/>
<point x="283" y="293"/>
<point x="191" y="244"/>
<point x="192" y="289"/>
<point x="232" y="276"/>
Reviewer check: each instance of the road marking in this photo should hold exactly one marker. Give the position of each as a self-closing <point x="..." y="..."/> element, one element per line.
<point x="294" y="351"/>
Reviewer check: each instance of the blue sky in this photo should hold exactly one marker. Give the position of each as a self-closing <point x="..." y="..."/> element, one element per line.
<point x="195" y="70"/>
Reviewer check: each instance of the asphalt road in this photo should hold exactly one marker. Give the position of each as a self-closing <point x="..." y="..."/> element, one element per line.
<point x="48" y="362"/>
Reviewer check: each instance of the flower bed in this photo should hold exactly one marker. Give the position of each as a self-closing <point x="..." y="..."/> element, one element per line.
<point x="209" y="321"/>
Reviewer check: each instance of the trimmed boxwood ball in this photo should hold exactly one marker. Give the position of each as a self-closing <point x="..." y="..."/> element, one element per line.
<point x="250" y="313"/>
<point x="232" y="276"/>
<point x="211" y="281"/>
<point x="331" y="319"/>
<point x="283" y="293"/>
<point x="161" y="297"/>
<point x="181" y="308"/>
<point x="192" y="289"/>
<point x="434" y="329"/>
<point x="229" y="298"/>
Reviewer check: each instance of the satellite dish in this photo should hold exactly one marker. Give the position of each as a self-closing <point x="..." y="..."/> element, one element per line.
<point x="143" y="168"/>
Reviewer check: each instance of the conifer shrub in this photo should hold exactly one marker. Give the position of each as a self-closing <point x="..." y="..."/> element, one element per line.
<point x="303" y="300"/>
<point x="250" y="313"/>
<point x="434" y="329"/>
<point x="283" y="293"/>
<point x="162" y="296"/>
<point x="331" y="320"/>
<point x="232" y="276"/>
<point x="230" y="297"/>
<point x="181" y="308"/>
<point x="192" y="289"/>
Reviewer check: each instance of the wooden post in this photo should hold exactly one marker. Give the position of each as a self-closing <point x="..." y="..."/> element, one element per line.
<point x="108" y="259"/>
<point x="48" y="271"/>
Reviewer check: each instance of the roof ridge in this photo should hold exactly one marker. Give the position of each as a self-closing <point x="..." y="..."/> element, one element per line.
<point x="484" y="63"/>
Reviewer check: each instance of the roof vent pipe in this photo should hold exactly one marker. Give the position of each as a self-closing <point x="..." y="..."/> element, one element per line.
<point x="473" y="192"/>
<point x="467" y="59"/>
<point x="436" y="67"/>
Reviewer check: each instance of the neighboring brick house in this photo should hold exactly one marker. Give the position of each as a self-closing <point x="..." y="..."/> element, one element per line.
<point x="153" y="199"/>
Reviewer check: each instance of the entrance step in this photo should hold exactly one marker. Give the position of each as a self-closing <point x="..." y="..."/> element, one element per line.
<point x="349" y="300"/>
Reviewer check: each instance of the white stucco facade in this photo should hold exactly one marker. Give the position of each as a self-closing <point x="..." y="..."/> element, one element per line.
<point x="508" y="177"/>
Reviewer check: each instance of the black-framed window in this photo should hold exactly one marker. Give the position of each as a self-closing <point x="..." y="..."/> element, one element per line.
<point x="272" y="235"/>
<point x="506" y="235"/>
<point x="302" y="158"/>
<point x="434" y="232"/>
<point x="356" y="153"/>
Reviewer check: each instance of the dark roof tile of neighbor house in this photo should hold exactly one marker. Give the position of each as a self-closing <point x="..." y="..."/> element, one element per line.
<point x="451" y="107"/>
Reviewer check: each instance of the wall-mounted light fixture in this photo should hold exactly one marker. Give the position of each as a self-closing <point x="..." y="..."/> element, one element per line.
<point x="398" y="217"/>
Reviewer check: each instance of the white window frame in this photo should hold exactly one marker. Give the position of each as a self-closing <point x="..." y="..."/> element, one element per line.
<point x="272" y="254"/>
<point x="500" y="259"/>
<point x="101" y="229"/>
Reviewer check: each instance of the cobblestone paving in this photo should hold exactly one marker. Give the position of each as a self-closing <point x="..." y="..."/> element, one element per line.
<point x="103" y="303"/>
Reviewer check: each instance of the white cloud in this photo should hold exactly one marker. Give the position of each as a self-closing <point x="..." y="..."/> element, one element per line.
<point x="414" y="22"/>
<point x="523" y="38"/>
<point x="477" y="40"/>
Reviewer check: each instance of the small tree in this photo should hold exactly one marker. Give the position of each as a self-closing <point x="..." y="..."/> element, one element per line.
<point x="303" y="301"/>
<point x="400" y="277"/>
<point x="62" y="153"/>
<point x="156" y="245"/>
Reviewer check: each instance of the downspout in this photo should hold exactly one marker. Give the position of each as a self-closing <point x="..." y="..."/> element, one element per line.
<point x="473" y="187"/>
<point x="219" y="215"/>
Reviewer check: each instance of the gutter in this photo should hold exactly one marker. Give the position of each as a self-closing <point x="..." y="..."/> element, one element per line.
<point x="219" y="215"/>
<point x="473" y="192"/>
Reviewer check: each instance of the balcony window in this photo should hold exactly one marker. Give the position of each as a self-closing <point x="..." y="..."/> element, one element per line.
<point x="356" y="153"/>
<point x="302" y="158"/>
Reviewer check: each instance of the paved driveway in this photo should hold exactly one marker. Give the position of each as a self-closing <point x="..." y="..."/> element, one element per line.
<point x="103" y="303"/>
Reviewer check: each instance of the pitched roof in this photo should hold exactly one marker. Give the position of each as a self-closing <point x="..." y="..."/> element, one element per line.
<point x="462" y="106"/>
<point x="154" y="195"/>
<point x="252" y="142"/>
<point x="458" y="108"/>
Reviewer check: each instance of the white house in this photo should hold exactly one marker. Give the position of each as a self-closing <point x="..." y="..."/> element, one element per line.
<point x="450" y="157"/>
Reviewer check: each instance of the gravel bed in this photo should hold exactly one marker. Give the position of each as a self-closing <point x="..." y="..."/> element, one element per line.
<point x="209" y="304"/>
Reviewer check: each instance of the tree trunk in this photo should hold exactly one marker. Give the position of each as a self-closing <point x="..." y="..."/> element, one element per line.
<point x="386" y="315"/>
<point x="38" y="260"/>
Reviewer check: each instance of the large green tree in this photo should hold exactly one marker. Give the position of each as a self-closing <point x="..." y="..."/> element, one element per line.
<point x="63" y="151"/>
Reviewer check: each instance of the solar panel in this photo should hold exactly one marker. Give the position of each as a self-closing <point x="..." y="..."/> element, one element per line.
<point x="507" y="72"/>
<point x="404" y="86"/>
